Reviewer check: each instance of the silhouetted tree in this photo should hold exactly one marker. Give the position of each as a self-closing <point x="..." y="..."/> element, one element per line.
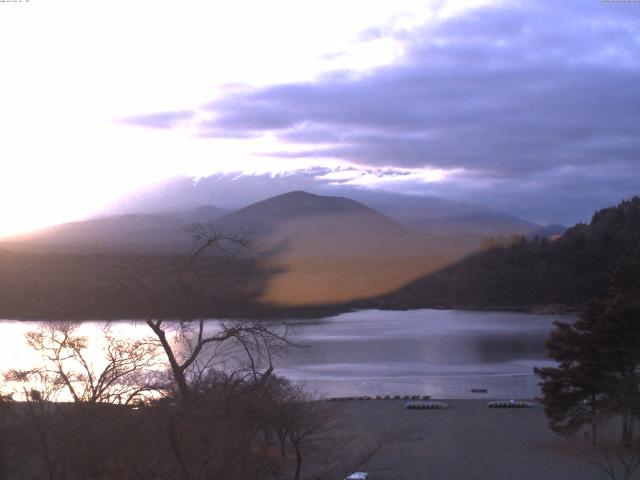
<point x="619" y="327"/>
<point x="190" y="346"/>
<point x="82" y="439"/>
<point x="122" y="374"/>
<point x="616" y="460"/>
<point x="216" y="367"/>
<point x="576" y="392"/>
<point x="599" y="359"/>
<point x="309" y="423"/>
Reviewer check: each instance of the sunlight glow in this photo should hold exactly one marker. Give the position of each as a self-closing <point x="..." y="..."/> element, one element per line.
<point x="15" y="351"/>
<point x="74" y="68"/>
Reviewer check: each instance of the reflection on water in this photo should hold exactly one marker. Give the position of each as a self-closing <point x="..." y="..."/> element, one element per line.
<point x="443" y="353"/>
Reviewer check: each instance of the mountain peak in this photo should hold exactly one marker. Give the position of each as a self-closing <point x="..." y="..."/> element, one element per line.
<point x="299" y="203"/>
<point x="297" y="194"/>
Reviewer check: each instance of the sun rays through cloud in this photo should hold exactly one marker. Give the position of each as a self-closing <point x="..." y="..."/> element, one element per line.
<point x="428" y="97"/>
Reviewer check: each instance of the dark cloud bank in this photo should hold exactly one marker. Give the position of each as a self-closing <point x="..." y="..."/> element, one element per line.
<point x="537" y="103"/>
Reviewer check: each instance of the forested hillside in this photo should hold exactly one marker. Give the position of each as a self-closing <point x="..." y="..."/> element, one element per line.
<point x="536" y="272"/>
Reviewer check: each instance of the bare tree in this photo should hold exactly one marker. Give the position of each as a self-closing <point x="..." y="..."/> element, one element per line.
<point x="321" y="441"/>
<point x="310" y="423"/>
<point x="243" y="348"/>
<point x="275" y="412"/>
<point x="216" y="367"/>
<point x="617" y="460"/>
<point x="184" y="341"/>
<point x="122" y="374"/>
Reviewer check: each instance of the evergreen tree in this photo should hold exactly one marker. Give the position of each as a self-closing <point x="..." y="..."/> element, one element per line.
<point x="575" y="392"/>
<point x="598" y="372"/>
<point x="620" y="325"/>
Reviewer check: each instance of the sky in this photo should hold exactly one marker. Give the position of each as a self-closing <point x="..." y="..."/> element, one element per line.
<point x="530" y="107"/>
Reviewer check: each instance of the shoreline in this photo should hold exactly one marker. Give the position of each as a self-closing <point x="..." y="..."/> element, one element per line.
<point x="312" y="313"/>
<point x="424" y="398"/>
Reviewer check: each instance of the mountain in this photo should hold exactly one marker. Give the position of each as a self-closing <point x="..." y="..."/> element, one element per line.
<point x="232" y="191"/>
<point x="326" y="249"/>
<point x="131" y="233"/>
<point x="444" y="217"/>
<point x="312" y="253"/>
<point x="300" y="214"/>
<point x="122" y="233"/>
<point x="530" y="273"/>
<point x="319" y="249"/>
<point x="334" y="249"/>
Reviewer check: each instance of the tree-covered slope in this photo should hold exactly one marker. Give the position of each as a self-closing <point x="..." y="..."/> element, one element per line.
<point x="536" y="272"/>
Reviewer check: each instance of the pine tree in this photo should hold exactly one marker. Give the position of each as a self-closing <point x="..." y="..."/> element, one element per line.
<point x="575" y="392"/>
<point x="598" y="372"/>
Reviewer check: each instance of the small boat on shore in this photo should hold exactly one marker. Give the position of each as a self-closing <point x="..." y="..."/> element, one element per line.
<point x="510" y="404"/>
<point x="428" y="405"/>
<point x="478" y="390"/>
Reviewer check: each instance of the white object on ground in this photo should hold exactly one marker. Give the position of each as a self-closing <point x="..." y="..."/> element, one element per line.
<point x="358" y="476"/>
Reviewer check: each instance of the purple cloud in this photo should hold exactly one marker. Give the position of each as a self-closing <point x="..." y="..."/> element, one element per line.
<point x="160" y="120"/>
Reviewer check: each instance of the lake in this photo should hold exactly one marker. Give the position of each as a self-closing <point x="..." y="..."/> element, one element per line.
<point x="443" y="353"/>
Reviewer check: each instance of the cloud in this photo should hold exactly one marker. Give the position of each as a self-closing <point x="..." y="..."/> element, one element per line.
<point x="505" y="90"/>
<point x="161" y="120"/>
<point x="535" y="101"/>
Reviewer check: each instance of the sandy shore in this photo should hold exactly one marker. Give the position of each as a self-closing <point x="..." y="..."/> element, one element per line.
<point x="466" y="441"/>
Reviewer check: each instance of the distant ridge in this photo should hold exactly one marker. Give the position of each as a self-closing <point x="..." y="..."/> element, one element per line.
<point x="438" y="216"/>
<point x="434" y="215"/>
<point x="129" y="233"/>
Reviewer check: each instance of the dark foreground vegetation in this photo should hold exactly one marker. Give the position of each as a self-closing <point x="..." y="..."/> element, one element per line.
<point x="183" y="402"/>
<point x="230" y="430"/>
<point x="188" y="400"/>
<point x="533" y="273"/>
<point x="596" y="383"/>
<point x="89" y="286"/>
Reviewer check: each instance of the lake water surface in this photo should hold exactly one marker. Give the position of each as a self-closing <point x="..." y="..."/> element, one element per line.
<point x="443" y="353"/>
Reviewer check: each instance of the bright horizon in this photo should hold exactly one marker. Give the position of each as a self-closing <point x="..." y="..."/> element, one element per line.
<point x="100" y="100"/>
